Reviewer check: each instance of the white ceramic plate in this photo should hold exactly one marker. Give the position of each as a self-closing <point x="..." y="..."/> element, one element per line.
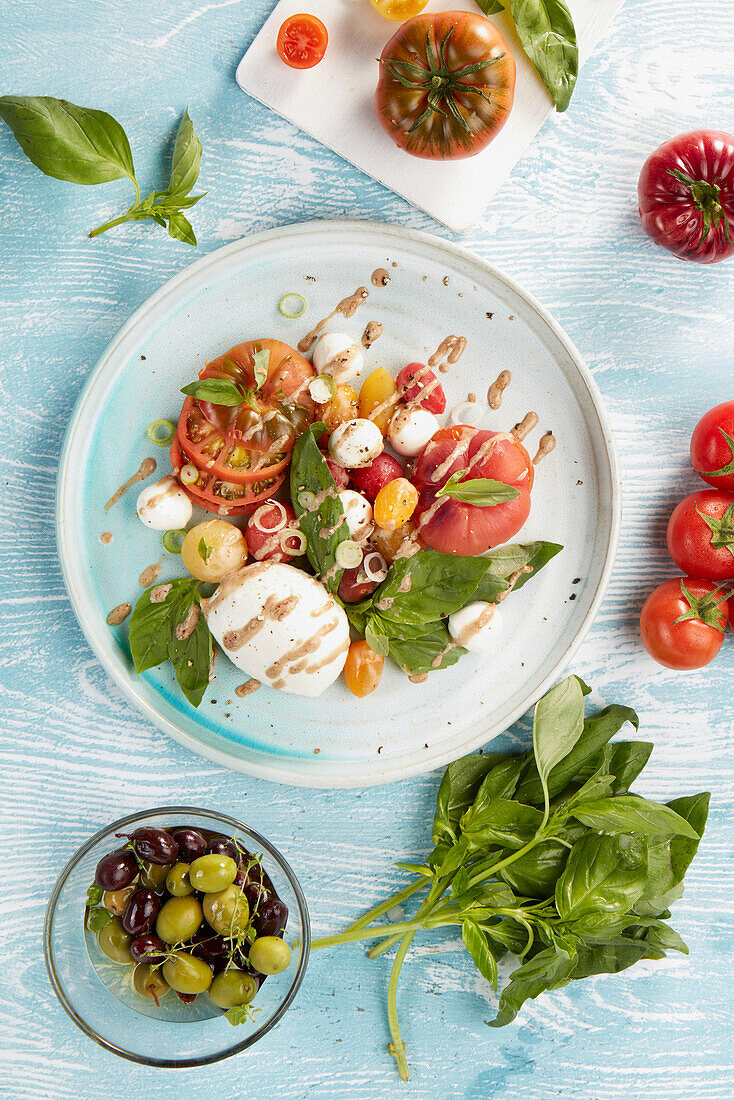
<point x="435" y="289"/>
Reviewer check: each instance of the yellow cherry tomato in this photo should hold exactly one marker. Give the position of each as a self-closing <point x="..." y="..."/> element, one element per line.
<point x="363" y="669"/>
<point x="378" y="392"/>
<point x="212" y="549"/>
<point x="389" y="543"/>
<point x="343" y="406"/>
<point x="398" y="10"/>
<point x="395" y="504"/>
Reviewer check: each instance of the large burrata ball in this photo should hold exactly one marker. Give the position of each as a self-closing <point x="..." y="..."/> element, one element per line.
<point x="280" y="626"/>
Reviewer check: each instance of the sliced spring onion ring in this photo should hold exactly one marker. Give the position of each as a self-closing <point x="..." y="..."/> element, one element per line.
<point x="292" y="305"/>
<point x="322" y="389"/>
<point x="189" y="474"/>
<point x="160" y="432"/>
<point x="348" y="554"/>
<point x="307" y="499"/>
<point x="279" y="523"/>
<point x="173" y="541"/>
<point x="287" y="537"/>
<point x="375" y="567"/>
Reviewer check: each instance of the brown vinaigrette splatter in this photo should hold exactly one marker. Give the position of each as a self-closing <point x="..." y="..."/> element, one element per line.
<point x="106" y="537"/>
<point x="380" y="277"/>
<point x="546" y="445"/>
<point x="118" y="614"/>
<point x="497" y="389"/>
<point x="525" y="426"/>
<point x="347" y="307"/>
<point x="147" y="466"/>
<point x="247" y="688"/>
<point x="373" y="331"/>
<point x="150" y="575"/>
<point x="449" y="351"/>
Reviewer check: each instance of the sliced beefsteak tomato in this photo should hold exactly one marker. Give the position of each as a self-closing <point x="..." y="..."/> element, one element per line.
<point x="451" y="526"/>
<point x="446" y="85"/>
<point x="224" y="498"/>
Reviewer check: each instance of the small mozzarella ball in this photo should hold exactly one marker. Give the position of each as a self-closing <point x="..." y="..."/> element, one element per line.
<point x="475" y="626"/>
<point x="410" y="429"/>
<point x="358" y="512"/>
<point x="164" y="506"/>
<point x="355" y="443"/>
<point x="212" y="549"/>
<point x="337" y="355"/>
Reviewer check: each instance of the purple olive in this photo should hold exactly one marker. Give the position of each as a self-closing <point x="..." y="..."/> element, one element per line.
<point x="140" y="912"/>
<point x="222" y="846"/>
<point x="270" y="917"/>
<point x="212" y="949"/>
<point x="149" y="948"/>
<point x="116" y="870"/>
<point x="186" y="998"/>
<point x="155" y="845"/>
<point x="191" y="845"/>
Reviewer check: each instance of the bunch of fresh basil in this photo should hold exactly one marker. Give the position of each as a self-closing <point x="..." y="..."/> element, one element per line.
<point x="82" y="145"/>
<point x="154" y="638"/>
<point x="547" y="855"/>
<point x="548" y="36"/>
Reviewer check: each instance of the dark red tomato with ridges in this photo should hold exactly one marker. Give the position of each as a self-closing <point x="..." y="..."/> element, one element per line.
<point x="686" y="196"/>
<point x="701" y="535"/>
<point x="272" y="533"/>
<point x="712" y="446"/>
<point x="452" y="526"/>
<point x="419" y="386"/>
<point x="682" y="623"/>
<point x="223" y="498"/>
<point x="302" y="41"/>
<point x="446" y="86"/>
<point x="380" y="472"/>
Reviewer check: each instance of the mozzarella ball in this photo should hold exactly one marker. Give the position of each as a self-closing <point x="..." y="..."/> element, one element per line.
<point x="475" y="626"/>
<point x="164" y="506"/>
<point x="337" y="355"/>
<point x="410" y="429"/>
<point x="212" y="549"/>
<point x="358" y="512"/>
<point x="280" y="626"/>
<point x="355" y="443"/>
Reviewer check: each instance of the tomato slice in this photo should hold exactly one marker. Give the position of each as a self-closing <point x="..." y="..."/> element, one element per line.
<point x="451" y="526"/>
<point x="224" y="498"/>
<point x="248" y="442"/>
<point x="302" y="41"/>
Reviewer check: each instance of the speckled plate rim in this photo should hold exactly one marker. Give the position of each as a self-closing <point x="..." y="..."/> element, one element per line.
<point x="283" y="771"/>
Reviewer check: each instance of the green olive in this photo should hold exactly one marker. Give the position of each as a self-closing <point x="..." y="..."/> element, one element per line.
<point x="212" y="873"/>
<point x="116" y="900"/>
<point x="187" y="974"/>
<point x="149" y="983"/>
<point x="227" y="911"/>
<point x="177" y="881"/>
<point x="153" y="875"/>
<point x="114" y="942"/>
<point x="233" y="988"/>
<point x="179" y="919"/>
<point x="270" y="955"/>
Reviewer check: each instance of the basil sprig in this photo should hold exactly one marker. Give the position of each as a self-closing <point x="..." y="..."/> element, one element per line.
<point x="218" y="391"/>
<point x="154" y="639"/>
<point x="86" y="146"/>
<point x="548" y="856"/>
<point x="322" y="525"/>
<point x="548" y="36"/>
<point x="483" y="492"/>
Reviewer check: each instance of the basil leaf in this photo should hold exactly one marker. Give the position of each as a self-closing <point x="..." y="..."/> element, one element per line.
<point x="506" y="560"/>
<point x="504" y="822"/>
<point x="186" y="159"/>
<point x="670" y="858"/>
<point x="617" y="954"/>
<point x="181" y="229"/>
<point x="490" y="7"/>
<point x="97" y="919"/>
<point x="598" y="729"/>
<point x="549" y="969"/>
<point x="623" y="760"/>
<point x="500" y="782"/>
<point x="604" y="876"/>
<point x="322" y="525"/>
<point x="150" y="628"/>
<point x="536" y="872"/>
<point x="423" y="588"/>
<point x="629" y="813"/>
<point x="545" y="29"/>
<point x="558" y="722"/>
<point x="76" y="144"/>
<point x="261" y="359"/>
<point x="458" y="789"/>
<point x="218" y="391"/>
<point x="482" y="492"/>
<point x="658" y="906"/>
<point x="375" y="636"/>
<point x="191" y="657"/>
<point x="425" y="653"/>
<point x="661" y="935"/>
<point x="94" y="895"/>
<point x="476" y="944"/>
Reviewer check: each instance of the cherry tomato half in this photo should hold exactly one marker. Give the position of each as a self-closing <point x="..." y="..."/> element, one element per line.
<point x="302" y="41"/>
<point x="397" y="11"/>
<point x="701" y="535"/>
<point x="363" y="669"/>
<point x="420" y="386"/>
<point x="682" y="623"/>
<point x="712" y="446"/>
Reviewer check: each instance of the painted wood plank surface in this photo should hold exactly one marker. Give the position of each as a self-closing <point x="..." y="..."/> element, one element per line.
<point x="658" y="335"/>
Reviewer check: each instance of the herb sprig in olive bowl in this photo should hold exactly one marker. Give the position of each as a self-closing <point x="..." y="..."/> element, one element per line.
<point x="192" y="920"/>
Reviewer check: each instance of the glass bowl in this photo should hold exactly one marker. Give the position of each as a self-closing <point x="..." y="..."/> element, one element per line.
<point x="110" y="1018"/>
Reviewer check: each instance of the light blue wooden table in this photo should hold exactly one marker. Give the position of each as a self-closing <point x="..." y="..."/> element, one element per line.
<point x="659" y="336"/>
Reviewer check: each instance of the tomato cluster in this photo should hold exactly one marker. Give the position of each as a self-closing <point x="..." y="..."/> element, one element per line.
<point x="683" y="621"/>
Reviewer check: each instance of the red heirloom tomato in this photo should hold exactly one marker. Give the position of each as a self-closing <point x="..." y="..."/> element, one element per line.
<point x="225" y="498"/>
<point x="380" y="472"/>
<point x="446" y="85"/>
<point x="701" y="535"/>
<point x="682" y="623"/>
<point x="419" y="386"/>
<point x="302" y="41"/>
<point x="450" y="525"/>
<point x="712" y="446"/>
<point x="686" y="196"/>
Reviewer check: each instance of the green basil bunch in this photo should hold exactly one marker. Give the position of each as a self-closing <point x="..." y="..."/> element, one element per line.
<point x="547" y="855"/>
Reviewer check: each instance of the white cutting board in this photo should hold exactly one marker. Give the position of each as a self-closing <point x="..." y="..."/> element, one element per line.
<point x="333" y="102"/>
